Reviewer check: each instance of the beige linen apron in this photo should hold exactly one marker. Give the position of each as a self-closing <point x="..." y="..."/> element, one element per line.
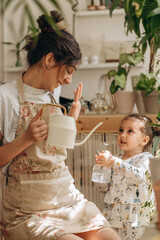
<point x="40" y="200"/>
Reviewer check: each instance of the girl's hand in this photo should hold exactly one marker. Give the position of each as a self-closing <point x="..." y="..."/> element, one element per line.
<point x="105" y="158"/>
<point x="76" y="105"/>
<point x="37" y="130"/>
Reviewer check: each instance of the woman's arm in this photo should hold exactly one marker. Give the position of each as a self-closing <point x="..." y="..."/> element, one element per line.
<point x="37" y="131"/>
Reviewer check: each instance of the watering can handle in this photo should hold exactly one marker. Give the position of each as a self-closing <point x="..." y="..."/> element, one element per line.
<point x="91" y="132"/>
<point x="53" y="104"/>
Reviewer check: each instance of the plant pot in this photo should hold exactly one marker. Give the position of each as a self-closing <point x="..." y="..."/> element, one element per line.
<point x="154" y="168"/>
<point x="124" y="101"/>
<point x="151" y="104"/>
<point x="139" y="98"/>
<point x="91" y="7"/>
<point x="101" y="7"/>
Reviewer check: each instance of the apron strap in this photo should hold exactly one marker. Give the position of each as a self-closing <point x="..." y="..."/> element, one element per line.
<point x="21" y="91"/>
<point x="52" y="98"/>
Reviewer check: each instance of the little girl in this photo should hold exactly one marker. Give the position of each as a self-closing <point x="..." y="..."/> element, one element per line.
<point x="129" y="200"/>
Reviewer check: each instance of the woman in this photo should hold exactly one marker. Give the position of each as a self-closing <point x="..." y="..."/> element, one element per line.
<point x="40" y="200"/>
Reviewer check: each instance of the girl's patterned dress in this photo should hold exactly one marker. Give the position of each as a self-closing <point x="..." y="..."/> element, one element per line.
<point x="40" y="200"/>
<point x="129" y="200"/>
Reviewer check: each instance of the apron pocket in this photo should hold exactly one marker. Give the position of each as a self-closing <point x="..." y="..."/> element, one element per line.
<point x="43" y="192"/>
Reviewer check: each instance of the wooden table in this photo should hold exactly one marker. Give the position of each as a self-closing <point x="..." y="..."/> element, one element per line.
<point x="111" y="123"/>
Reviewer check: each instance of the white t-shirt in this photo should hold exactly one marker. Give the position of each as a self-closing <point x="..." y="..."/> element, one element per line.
<point x="10" y="106"/>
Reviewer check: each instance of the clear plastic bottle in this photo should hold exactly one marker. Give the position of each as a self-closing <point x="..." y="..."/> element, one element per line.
<point x="101" y="174"/>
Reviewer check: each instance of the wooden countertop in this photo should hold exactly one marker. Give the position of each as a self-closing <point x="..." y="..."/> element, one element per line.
<point x="111" y="123"/>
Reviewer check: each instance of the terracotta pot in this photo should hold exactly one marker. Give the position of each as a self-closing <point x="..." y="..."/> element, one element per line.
<point x="139" y="98"/>
<point x="151" y="104"/>
<point x="124" y="101"/>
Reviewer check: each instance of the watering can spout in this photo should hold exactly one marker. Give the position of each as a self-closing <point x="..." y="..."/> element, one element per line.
<point x="89" y="134"/>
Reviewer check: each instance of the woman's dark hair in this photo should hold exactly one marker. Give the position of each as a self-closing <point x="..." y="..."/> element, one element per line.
<point x="146" y="128"/>
<point x="53" y="38"/>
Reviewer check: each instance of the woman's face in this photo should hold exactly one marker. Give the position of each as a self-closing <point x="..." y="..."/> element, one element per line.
<point x="59" y="75"/>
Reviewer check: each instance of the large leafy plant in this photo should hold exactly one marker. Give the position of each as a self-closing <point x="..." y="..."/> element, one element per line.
<point x="119" y="76"/>
<point x="27" y="10"/>
<point x="143" y="18"/>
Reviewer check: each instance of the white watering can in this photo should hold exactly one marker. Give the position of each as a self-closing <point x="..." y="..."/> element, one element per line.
<point x="62" y="130"/>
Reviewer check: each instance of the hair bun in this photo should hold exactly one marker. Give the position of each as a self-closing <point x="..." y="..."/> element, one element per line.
<point x="56" y="16"/>
<point x="45" y="23"/>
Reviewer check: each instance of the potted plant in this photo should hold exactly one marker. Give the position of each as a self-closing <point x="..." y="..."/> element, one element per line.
<point x="92" y="6"/>
<point x="150" y="88"/>
<point x="119" y="80"/>
<point x="102" y="5"/>
<point x="18" y="46"/>
<point x="143" y="18"/>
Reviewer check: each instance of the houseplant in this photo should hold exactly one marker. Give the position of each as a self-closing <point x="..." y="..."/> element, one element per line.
<point x="119" y="80"/>
<point x="143" y="18"/>
<point x="149" y="85"/>
<point x="27" y="12"/>
<point x="149" y="88"/>
<point x="8" y="10"/>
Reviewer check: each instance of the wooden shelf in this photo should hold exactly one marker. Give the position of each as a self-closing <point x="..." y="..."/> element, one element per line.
<point x="102" y="65"/>
<point x="98" y="13"/>
<point x="111" y="122"/>
<point x="99" y="65"/>
<point x="14" y="69"/>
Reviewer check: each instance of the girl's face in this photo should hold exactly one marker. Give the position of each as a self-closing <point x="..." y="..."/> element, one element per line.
<point x="130" y="138"/>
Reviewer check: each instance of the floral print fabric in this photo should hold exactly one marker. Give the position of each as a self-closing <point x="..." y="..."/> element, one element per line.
<point x="40" y="200"/>
<point x="129" y="199"/>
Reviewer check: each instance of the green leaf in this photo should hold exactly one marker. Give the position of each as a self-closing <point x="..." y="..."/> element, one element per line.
<point x="4" y="5"/>
<point x="41" y="7"/>
<point x="114" y="5"/>
<point x="111" y="73"/>
<point x="154" y="12"/>
<point x="121" y="80"/>
<point x="123" y="59"/>
<point x="144" y="47"/>
<point x="146" y="83"/>
<point x="8" y="43"/>
<point x="29" y="15"/>
<point x="19" y="3"/>
<point x="56" y="4"/>
<point x="113" y="87"/>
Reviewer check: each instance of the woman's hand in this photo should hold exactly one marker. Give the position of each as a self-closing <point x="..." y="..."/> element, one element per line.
<point x="37" y="130"/>
<point x="105" y="158"/>
<point x="76" y="105"/>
